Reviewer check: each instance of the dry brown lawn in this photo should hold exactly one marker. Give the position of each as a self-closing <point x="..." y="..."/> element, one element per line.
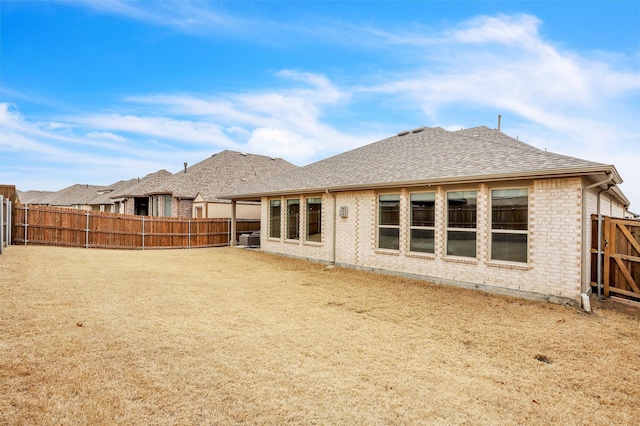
<point x="237" y="336"/>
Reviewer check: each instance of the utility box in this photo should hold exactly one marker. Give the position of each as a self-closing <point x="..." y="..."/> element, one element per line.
<point x="251" y="240"/>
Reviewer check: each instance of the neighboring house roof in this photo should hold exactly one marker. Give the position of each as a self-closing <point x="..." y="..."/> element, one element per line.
<point x="222" y="172"/>
<point x="426" y="156"/>
<point x="103" y="195"/>
<point x="35" y="197"/>
<point x="140" y="186"/>
<point x="83" y="194"/>
<point x="78" y="194"/>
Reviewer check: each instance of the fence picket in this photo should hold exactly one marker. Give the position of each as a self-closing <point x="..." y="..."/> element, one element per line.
<point x="67" y="227"/>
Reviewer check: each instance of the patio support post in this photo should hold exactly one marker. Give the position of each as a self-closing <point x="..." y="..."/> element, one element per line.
<point x="232" y="237"/>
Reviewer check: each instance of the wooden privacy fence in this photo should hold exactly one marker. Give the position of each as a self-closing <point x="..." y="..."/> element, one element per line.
<point x="45" y="225"/>
<point x="620" y="257"/>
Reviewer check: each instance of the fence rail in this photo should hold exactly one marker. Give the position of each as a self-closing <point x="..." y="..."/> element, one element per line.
<point x="44" y="225"/>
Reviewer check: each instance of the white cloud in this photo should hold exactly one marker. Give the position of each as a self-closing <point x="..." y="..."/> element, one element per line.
<point x="280" y="142"/>
<point x="105" y="135"/>
<point x="515" y="30"/>
<point x="165" y="128"/>
<point x="189" y="17"/>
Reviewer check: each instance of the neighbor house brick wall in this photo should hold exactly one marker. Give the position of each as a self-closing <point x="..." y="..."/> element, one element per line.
<point x="129" y="206"/>
<point x="181" y="207"/>
<point x="553" y="270"/>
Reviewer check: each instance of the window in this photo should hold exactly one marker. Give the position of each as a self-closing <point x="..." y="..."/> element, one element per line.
<point x="423" y="215"/>
<point x="461" y="223"/>
<point x="314" y="219"/>
<point x="509" y="224"/>
<point x="389" y="221"/>
<point x="167" y="206"/>
<point x="274" y="218"/>
<point x="293" y="219"/>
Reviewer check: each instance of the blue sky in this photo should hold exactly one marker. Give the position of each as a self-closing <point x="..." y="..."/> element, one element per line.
<point x="100" y="91"/>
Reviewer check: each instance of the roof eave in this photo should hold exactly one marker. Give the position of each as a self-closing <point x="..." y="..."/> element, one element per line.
<point x="453" y="180"/>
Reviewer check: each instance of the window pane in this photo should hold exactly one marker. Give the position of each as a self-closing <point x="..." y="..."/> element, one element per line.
<point x="314" y="219"/>
<point x="461" y="243"/>
<point x="274" y="218"/>
<point x="461" y="207"/>
<point x="422" y="240"/>
<point x="389" y="238"/>
<point x="509" y="209"/>
<point x="423" y="209"/>
<point x="389" y="209"/>
<point x="509" y="247"/>
<point x="167" y="206"/>
<point x="293" y="219"/>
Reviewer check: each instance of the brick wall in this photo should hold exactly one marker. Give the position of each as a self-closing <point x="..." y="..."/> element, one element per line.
<point x="181" y="207"/>
<point x="553" y="271"/>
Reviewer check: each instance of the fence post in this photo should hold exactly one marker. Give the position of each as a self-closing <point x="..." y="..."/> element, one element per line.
<point x="26" y="223"/>
<point x="9" y="218"/>
<point x="142" y="232"/>
<point x="86" y="233"/>
<point x="189" y="234"/>
<point x="606" y="258"/>
<point x="1" y="224"/>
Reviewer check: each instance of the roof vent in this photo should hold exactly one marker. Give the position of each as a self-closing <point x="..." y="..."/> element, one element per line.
<point x="185" y="167"/>
<point x="273" y="158"/>
<point x="244" y="154"/>
<point x="404" y="132"/>
<point x="418" y="130"/>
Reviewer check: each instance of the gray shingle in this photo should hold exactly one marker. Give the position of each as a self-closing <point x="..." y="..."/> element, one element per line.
<point x="222" y="172"/>
<point x="426" y="154"/>
<point x="139" y="187"/>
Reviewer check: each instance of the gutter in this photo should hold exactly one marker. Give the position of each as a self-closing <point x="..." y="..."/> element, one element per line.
<point x="586" y="304"/>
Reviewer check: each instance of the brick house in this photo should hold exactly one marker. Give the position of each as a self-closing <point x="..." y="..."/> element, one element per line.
<point x="473" y="208"/>
<point x="130" y="197"/>
<point x="194" y="192"/>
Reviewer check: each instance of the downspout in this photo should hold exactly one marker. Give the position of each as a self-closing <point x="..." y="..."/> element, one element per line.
<point x="586" y="304"/>
<point x="599" y="256"/>
<point x="333" y="237"/>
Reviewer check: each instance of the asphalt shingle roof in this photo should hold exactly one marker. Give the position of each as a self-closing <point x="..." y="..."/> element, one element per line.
<point x="141" y="186"/>
<point x="222" y="172"/>
<point x="422" y="155"/>
<point x="78" y="194"/>
<point x="35" y="197"/>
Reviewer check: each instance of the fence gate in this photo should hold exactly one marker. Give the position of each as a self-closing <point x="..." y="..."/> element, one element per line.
<point x="622" y="258"/>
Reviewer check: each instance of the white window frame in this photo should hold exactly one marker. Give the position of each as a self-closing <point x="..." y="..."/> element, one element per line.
<point x="380" y="226"/>
<point x="279" y="219"/>
<point x="287" y="219"/>
<point x="306" y="218"/>
<point x="426" y="228"/>
<point x="473" y="230"/>
<point x="509" y="231"/>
